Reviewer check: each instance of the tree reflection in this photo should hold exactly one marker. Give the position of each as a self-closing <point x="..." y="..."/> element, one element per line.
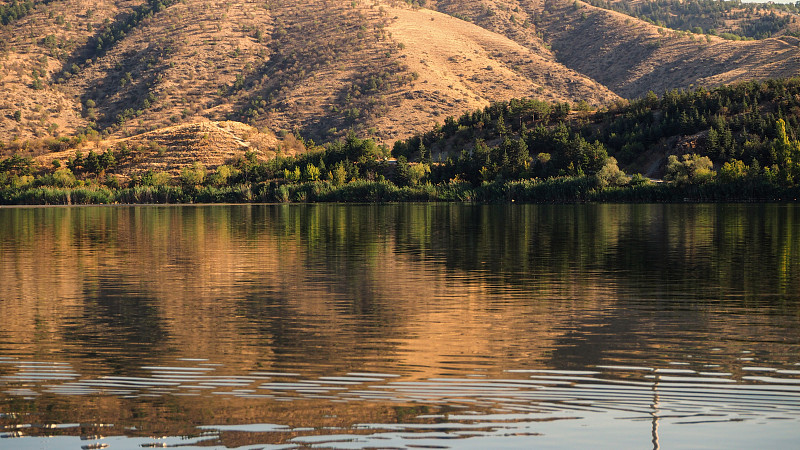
<point x="295" y="284"/>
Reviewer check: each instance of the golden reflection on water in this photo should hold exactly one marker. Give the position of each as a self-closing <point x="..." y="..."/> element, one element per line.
<point x="419" y="291"/>
<point x="206" y="278"/>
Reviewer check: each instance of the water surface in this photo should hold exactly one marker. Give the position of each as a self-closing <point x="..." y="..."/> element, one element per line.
<point x="400" y="326"/>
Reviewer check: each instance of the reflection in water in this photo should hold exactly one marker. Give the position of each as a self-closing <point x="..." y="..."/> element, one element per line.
<point x="399" y="325"/>
<point x="475" y="408"/>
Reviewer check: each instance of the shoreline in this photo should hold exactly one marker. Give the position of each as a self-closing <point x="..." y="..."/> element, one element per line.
<point x="564" y="190"/>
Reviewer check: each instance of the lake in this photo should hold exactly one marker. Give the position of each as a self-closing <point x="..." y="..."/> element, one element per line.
<point x="400" y="326"/>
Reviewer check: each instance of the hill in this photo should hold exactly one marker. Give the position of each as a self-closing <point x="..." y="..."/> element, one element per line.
<point x="74" y="72"/>
<point x="628" y="55"/>
<point x="171" y="149"/>
<point x="732" y="20"/>
<point x="322" y="66"/>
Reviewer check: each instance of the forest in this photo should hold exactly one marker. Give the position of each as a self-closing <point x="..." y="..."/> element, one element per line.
<point x="749" y="20"/>
<point x="731" y="143"/>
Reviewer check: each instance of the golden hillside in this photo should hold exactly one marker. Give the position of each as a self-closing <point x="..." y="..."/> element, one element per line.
<point x="172" y="148"/>
<point x="322" y="67"/>
<point x="381" y="67"/>
<point x="629" y="56"/>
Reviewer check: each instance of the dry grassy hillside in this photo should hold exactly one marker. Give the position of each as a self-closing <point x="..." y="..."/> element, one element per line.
<point x="627" y="55"/>
<point x="320" y="67"/>
<point x="111" y="69"/>
<point x="632" y="57"/>
<point x="172" y="148"/>
<point x="462" y="67"/>
<point x="756" y="20"/>
<point x="161" y="69"/>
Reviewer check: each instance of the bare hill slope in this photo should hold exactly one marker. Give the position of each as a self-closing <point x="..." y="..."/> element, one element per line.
<point x="320" y="67"/>
<point x="170" y="149"/>
<point x="463" y="67"/>
<point x="122" y="68"/>
<point x="632" y="57"/>
<point x="627" y="55"/>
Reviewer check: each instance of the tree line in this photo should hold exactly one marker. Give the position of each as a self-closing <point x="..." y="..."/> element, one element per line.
<point x="737" y="142"/>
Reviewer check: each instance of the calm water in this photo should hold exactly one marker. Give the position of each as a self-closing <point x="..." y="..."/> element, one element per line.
<point x="400" y="326"/>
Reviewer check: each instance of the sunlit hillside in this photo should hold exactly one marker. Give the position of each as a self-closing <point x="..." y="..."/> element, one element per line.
<point x="628" y="55"/>
<point x="87" y="75"/>
<point x="320" y="67"/>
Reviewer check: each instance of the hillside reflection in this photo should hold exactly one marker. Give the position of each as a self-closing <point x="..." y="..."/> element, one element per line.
<point x="417" y="291"/>
<point x="293" y="284"/>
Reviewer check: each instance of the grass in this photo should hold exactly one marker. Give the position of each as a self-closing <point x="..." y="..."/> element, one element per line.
<point x="553" y="190"/>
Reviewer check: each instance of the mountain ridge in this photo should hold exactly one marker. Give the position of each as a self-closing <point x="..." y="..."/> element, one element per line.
<point x="383" y="69"/>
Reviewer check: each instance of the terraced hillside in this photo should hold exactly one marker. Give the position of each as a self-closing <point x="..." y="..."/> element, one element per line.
<point x="173" y="148"/>
<point x="73" y="71"/>
<point x="322" y="67"/>
<point x="627" y="55"/>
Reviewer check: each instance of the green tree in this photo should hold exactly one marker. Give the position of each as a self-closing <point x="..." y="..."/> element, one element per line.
<point x="223" y="174"/>
<point x="338" y="175"/>
<point x="517" y="153"/>
<point x="311" y="172"/>
<point x="690" y="169"/>
<point x="417" y="173"/>
<point x="423" y="153"/>
<point x="788" y="153"/>
<point x="77" y="162"/>
<point x="107" y="160"/>
<point x="733" y="171"/>
<point x="501" y="126"/>
<point x="64" y="177"/>
<point x="151" y="178"/>
<point x="17" y="165"/>
<point x="293" y="175"/>
<point x="194" y="175"/>
<point x="611" y="175"/>
<point x="92" y="162"/>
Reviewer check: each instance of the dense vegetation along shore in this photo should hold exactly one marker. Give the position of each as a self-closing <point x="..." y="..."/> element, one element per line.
<point x="732" y="143"/>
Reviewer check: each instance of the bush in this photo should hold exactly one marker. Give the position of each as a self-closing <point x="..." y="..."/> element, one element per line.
<point x="223" y="174"/>
<point x="691" y="169"/>
<point x="311" y="173"/>
<point x="194" y="175"/>
<point x="611" y="175"/>
<point x="62" y="177"/>
<point x="733" y="170"/>
<point x="151" y="178"/>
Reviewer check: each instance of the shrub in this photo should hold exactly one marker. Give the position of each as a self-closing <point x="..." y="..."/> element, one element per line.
<point x="193" y="175"/>
<point x="691" y="169"/>
<point x="311" y="173"/>
<point x="155" y="178"/>
<point x="223" y="175"/>
<point x="733" y="170"/>
<point x="611" y="175"/>
<point x="63" y="177"/>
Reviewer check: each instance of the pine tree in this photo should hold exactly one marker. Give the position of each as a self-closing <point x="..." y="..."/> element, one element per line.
<point x="501" y="126"/>
<point x="423" y="153"/>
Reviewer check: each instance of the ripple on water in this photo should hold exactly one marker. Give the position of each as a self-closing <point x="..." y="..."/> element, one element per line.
<point x="464" y="408"/>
